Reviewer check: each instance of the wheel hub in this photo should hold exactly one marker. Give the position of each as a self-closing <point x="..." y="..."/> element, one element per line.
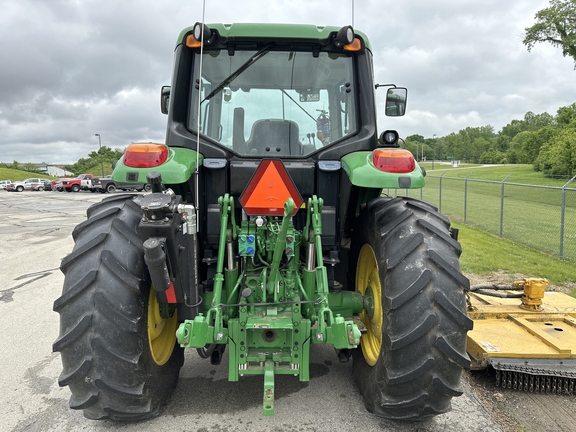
<point x="368" y="302"/>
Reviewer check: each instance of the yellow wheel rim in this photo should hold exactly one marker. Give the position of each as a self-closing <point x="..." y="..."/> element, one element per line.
<point x="368" y="284"/>
<point x="161" y="331"/>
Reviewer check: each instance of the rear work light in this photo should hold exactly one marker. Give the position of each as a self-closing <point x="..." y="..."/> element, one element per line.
<point x="200" y="35"/>
<point x="393" y="160"/>
<point x="145" y="155"/>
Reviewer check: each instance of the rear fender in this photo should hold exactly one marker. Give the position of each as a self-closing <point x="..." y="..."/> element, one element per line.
<point x="362" y="173"/>
<point x="177" y="168"/>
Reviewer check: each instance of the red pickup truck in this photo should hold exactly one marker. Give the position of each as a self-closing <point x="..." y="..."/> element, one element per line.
<point x="82" y="182"/>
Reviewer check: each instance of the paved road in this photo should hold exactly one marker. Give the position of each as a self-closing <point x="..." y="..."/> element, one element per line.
<point x="35" y="230"/>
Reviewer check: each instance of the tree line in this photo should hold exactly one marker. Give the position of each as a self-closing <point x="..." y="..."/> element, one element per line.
<point x="545" y="141"/>
<point x="98" y="162"/>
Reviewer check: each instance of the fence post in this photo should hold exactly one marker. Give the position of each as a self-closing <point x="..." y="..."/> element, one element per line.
<point x="502" y="205"/>
<point x="440" y="192"/>
<point x="562" y="213"/>
<point x="466" y="195"/>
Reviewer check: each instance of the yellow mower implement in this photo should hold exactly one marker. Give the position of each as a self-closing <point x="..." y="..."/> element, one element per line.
<point x="529" y="338"/>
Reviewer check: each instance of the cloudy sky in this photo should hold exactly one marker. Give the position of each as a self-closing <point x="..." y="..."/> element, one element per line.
<point x="72" y="68"/>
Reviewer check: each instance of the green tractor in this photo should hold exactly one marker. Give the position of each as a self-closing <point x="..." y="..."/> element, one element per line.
<point x="266" y="232"/>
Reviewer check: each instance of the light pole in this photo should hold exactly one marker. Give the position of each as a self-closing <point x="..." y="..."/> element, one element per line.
<point x="434" y="157"/>
<point x="100" y="153"/>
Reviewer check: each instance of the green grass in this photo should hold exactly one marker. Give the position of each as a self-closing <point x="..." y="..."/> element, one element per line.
<point x="484" y="254"/>
<point x="531" y="214"/>
<point x="524" y="174"/>
<point x="16" y="175"/>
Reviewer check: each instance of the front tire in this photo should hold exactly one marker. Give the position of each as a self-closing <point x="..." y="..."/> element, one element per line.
<point x="414" y="350"/>
<point x="75" y="188"/>
<point x="120" y="358"/>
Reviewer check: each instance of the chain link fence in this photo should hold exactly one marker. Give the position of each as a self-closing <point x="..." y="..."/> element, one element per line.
<point x="542" y="217"/>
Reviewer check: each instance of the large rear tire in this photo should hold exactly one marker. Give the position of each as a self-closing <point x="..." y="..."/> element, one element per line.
<point x="120" y="358"/>
<point x="406" y="264"/>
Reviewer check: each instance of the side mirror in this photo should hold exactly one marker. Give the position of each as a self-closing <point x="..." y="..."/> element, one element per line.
<point x="396" y="101"/>
<point x="164" y="99"/>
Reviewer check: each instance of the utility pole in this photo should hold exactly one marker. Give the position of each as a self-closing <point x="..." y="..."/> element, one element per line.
<point x="100" y="153"/>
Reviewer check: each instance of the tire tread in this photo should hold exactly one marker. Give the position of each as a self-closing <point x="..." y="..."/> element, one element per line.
<point x="103" y="339"/>
<point x="423" y="304"/>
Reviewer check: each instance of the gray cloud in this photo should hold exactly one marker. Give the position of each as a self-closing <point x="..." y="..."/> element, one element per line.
<point x="73" y="68"/>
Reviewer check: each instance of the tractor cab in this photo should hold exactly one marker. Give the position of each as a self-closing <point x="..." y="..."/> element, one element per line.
<point x="275" y="97"/>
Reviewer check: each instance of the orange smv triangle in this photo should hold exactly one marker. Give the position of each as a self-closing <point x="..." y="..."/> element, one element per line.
<point x="269" y="189"/>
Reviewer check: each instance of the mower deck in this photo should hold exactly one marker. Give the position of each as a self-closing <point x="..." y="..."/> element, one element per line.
<point x="531" y="349"/>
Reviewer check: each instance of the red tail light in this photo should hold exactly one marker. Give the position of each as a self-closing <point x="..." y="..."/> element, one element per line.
<point x="393" y="160"/>
<point x="145" y="155"/>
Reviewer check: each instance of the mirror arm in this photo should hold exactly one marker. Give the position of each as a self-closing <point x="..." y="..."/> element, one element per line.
<point x="385" y="85"/>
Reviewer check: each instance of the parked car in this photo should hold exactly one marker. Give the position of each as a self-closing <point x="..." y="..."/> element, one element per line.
<point x="50" y="185"/>
<point x="32" y="184"/>
<point x="4" y="183"/>
<point x="57" y="185"/>
<point x="106" y="184"/>
<point x="17" y="186"/>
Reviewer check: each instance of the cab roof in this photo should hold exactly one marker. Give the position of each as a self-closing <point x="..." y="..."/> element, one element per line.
<point x="272" y="31"/>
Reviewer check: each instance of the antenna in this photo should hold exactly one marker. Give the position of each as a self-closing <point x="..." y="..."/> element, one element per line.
<point x="352" y="13"/>
<point x="196" y="172"/>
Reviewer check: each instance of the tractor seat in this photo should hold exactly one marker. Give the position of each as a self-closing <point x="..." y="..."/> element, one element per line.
<point x="274" y="137"/>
